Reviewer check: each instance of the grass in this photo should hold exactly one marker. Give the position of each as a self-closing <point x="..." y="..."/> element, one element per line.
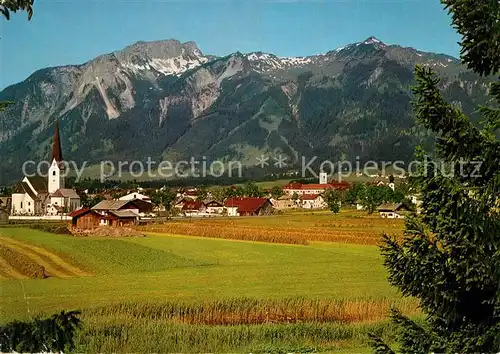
<point x="239" y="311"/>
<point x="181" y="293"/>
<point x="51" y="264"/>
<point x="121" y="336"/>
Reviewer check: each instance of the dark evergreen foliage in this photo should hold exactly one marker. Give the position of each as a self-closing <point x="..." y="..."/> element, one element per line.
<point x="9" y="6"/>
<point x="54" y="334"/>
<point x="449" y="257"/>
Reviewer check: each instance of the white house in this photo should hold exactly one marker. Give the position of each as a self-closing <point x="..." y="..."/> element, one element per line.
<point x="393" y="211"/>
<point x="214" y="207"/>
<point x="37" y="196"/>
<point x="232" y="211"/>
<point x="135" y="195"/>
<point x="284" y="202"/>
<point x="312" y="201"/>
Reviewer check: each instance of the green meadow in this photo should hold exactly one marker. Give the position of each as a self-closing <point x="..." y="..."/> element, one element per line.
<point x="171" y="293"/>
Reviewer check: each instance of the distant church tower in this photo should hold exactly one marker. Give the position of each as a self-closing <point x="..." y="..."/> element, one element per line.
<point x="323" y="178"/>
<point x="56" y="180"/>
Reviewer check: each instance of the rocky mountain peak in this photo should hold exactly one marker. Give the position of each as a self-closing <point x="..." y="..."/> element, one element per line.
<point x="373" y="40"/>
<point x="163" y="49"/>
<point x="166" y="98"/>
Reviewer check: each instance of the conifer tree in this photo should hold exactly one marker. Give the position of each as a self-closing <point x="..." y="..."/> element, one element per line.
<point x="449" y="257"/>
<point x="8" y="6"/>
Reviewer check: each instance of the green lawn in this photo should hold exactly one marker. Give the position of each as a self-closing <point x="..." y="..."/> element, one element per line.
<point x="169" y="268"/>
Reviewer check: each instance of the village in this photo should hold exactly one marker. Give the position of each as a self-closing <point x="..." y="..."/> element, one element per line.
<point x="38" y="198"/>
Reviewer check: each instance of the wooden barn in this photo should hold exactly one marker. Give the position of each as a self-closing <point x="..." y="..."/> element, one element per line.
<point x="121" y="218"/>
<point x="139" y="206"/>
<point x="85" y="218"/>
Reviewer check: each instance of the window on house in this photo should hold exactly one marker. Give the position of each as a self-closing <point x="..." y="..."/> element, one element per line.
<point x="29" y="203"/>
<point x="21" y="205"/>
<point x="53" y="173"/>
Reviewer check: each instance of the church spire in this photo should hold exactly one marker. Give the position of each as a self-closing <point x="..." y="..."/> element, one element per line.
<point x="56" y="146"/>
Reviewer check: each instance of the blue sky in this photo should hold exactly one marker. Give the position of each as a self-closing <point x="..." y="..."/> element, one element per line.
<point x="74" y="31"/>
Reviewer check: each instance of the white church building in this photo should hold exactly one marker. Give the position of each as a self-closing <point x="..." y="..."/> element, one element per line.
<point x="39" y="196"/>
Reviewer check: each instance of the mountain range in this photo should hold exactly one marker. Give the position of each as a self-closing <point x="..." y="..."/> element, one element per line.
<point x="168" y="100"/>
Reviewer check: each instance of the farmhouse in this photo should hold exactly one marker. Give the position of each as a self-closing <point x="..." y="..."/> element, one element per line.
<point x="312" y="201"/>
<point x="193" y="207"/>
<point x="214" y="207"/>
<point x="248" y="206"/>
<point x="86" y="218"/>
<point x="36" y="195"/>
<point x="393" y="210"/>
<point x="179" y="204"/>
<point x="284" y="202"/>
<point x="120" y="218"/>
<point x="140" y="207"/>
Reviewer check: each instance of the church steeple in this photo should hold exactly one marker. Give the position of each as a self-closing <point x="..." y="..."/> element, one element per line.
<point x="56" y="146"/>
<point x="56" y="169"/>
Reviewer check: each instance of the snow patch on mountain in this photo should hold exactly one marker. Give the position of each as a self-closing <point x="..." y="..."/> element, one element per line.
<point x="171" y="66"/>
<point x="372" y="40"/>
<point x="265" y="62"/>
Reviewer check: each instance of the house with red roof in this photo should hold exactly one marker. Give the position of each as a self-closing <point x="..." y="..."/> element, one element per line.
<point x="248" y="206"/>
<point x="313" y="188"/>
<point x="193" y="207"/>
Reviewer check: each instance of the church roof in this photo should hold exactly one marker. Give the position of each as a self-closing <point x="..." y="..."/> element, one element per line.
<point x="56" y="146"/>
<point x="65" y="193"/>
<point x="39" y="183"/>
<point x="24" y="188"/>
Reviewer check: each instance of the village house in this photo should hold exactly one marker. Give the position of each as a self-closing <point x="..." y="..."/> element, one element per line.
<point x="312" y="201"/>
<point x="62" y="201"/>
<point x="415" y="199"/>
<point x="248" y="206"/>
<point x="179" y="203"/>
<point x="393" y="210"/>
<point x="120" y="218"/>
<point x="86" y="218"/>
<point x="214" y="207"/>
<point x="189" y="193"/>
<point x="193" y="208"/>
<point x="284" y="202"/>
<point x="36" y="195"/>
<point x="136" y="195"/>
<point x="314" y="188"/>
<point x="139" y="207"/>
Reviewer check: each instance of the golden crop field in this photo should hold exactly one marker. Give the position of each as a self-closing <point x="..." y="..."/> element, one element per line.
<point x="349" y="226"/>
